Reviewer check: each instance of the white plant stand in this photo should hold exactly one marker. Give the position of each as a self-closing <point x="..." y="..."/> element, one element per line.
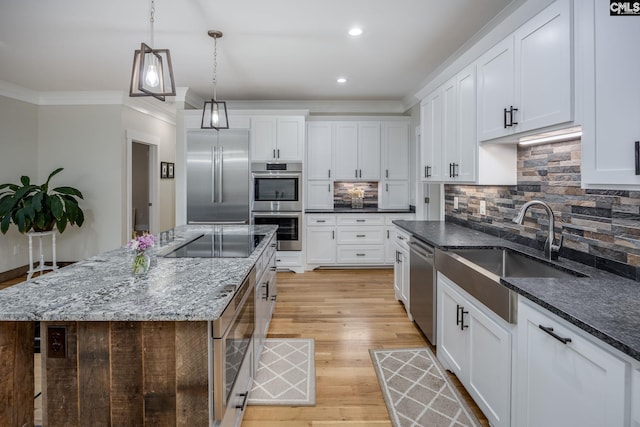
<point x="41" y="265"/>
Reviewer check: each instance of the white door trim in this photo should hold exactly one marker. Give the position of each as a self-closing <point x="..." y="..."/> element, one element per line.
<point x="153" y="141"/>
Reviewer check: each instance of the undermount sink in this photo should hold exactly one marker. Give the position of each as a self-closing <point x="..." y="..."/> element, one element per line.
<point x="508" y="263"/>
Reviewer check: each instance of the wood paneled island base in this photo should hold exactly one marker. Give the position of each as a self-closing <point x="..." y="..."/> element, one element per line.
<point x="112" y="373"/>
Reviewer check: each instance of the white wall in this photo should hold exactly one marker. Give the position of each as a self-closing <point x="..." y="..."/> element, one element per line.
<point x="88" y="142"/>
<point x="18" y="156"/>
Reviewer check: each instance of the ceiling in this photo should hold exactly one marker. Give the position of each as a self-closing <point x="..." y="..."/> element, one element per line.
<point x="289" y="50"/>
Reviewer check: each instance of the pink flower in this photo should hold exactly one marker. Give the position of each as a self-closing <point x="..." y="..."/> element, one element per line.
<point x="142" y="243"/>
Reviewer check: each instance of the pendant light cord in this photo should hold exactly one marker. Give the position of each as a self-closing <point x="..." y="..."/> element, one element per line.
<point x="215" y="66"/>
<point x="152" y="20"/>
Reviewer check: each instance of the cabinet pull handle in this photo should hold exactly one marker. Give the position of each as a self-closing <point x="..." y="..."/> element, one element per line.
<point x="329" y="187"/>
<point x="386" y="186"/>
<point x="329" y="173"/>
<point x="549" y="330"/>
<point x="511" y="116"/>
<point x="361" y="254"/>
<point x="361" y="235"/>
<point x="360" y="173"/>
<point x="386" y="173"/>
<point x="637" y="144"/>
<point x="356" y="173"/>
<point x="333" y="234"/>
<point x="455" y="167"/>
<point x="321" y="220"/>
<point x="360" y="220"/>
<point x="387" y="234"/>
<point x="244" y="395"/>
<point x="278" y="153"/>
<point x="504" y="118"/>
<point x="450" y="170"/>
<point x="460" y="312"/>
<point x="274" y="153"/>
<point x="427" y="171"/>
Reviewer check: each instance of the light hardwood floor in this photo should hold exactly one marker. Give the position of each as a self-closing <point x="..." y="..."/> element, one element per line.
<point x="347" y="312"/>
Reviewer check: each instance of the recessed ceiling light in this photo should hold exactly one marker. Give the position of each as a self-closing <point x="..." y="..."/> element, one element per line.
<point x="341" y="80"/>
<point x="355" y="31"/>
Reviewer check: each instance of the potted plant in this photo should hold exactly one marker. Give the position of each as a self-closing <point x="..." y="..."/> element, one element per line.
<point x="31" y="206"/>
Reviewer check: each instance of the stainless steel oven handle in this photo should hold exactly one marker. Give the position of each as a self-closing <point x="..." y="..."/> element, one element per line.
<point x="276" y="174"/>
<point x="278" y="214"/>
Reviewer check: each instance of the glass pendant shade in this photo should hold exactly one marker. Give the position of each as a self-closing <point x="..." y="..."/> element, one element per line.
<point x="152" y="73"/>
<point x="214" y="115"/>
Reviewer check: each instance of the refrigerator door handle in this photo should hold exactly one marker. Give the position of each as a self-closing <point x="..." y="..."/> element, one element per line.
<point x="213" y="174"/>
<point x="220" y="172"/>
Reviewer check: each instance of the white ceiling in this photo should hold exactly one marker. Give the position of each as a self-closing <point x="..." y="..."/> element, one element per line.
<point x="271" y="50"/>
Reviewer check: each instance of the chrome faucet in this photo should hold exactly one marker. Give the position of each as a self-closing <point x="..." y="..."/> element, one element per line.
<point x="551" y="250"/>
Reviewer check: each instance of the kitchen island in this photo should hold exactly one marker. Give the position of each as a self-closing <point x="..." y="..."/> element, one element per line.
<point x="124" y="349"/>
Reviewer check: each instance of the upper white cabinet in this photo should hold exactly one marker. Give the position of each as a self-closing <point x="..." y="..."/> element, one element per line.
<point x="611" y="88"/>
<point x="525" y="81"/>
<point x="357" y="150"/>
<point x="395" y="150"/>
<point x="277" y="138"/>
<point x="319" y="150"/>
<point x="563" y="378"/>
<point x="431" y="143"/>
<point x="395" y="165"/>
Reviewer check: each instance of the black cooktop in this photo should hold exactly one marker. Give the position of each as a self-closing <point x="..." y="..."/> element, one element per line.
<point x="219" y="245"/>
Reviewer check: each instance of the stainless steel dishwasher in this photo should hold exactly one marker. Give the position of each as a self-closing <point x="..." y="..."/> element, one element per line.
<point x="422" y="288"/>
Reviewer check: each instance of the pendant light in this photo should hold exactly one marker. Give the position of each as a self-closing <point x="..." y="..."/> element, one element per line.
<point x="214" y="113"/>
<point x="152" y="71"/>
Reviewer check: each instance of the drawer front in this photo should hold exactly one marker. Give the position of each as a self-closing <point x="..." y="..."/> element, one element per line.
<point x="289" y="259"/>
<point x="361" y="220"/>
<point x="360" y="235"/>
<point x="361" y="255"/>
<point x="321" y="220"/>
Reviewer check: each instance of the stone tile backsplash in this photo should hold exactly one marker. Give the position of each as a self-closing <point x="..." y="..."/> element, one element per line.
<point x="601" y="228"/>
<point x="342" y="198"/>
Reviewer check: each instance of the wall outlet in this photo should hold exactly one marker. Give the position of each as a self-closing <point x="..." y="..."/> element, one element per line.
<point x="426" y="200"/>
<point x="455" y="202"/>
<point x="483" y="207"/>
<point x="57" y="342"/>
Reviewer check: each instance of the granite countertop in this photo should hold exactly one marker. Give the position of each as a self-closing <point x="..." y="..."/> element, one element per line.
<point x="603" y="304"/>
<point x="102" y="288"/>
<point x="358" y="210"/>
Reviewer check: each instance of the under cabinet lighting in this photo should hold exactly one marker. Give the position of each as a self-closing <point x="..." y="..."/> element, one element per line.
<point x="558" y="136"/>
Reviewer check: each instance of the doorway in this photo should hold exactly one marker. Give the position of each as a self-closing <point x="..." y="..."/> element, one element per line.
<point x="140" y="200"/>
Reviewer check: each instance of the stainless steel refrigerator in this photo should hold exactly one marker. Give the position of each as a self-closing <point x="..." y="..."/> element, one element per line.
<point x="218" y="176"/>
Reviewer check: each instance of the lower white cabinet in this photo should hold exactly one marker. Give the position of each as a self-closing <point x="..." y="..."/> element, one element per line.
<point x="265" y="298"/>
<point x="476" y="346"/>
<point x="351" y="239"/>
<point x="401" y="269"/>
<point x="563" y="378"/>
<point x="635" y="397"/>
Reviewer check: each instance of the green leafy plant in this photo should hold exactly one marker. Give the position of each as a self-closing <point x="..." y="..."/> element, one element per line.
<point x="31" y="206"/>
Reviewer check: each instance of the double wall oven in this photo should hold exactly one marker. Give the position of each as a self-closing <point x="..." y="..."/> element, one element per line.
<point x="276" y="199"/>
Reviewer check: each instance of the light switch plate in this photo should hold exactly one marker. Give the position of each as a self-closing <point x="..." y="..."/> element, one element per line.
<point x="483" y="207"/>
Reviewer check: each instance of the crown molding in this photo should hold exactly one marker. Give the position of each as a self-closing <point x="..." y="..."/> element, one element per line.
<point x="336" y="107"/>
<point x="19" y="93"/>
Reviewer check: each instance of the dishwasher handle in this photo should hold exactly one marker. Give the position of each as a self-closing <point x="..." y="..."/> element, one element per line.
<point x="423" y="251"/>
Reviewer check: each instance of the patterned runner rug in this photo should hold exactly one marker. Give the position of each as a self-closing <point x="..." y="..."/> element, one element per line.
<point x="417" y="391"/>
<point x="286" y="374"/>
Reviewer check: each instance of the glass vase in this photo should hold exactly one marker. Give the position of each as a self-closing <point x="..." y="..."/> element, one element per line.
<point x="141" y="264"/>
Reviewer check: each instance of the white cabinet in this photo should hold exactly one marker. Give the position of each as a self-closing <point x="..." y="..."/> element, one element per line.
<point x="475" y="345"/>
<point x="351" y="239"/>
<point x="401" y="268"/>
<point x="562" y="377"/>
<point x="395" y="150"/>
<point x="321" y="240"/>
<point x="394" y="192"/>
<point x="320" y="194"/>
<point x="277" y="138"/>
<point x="635" y="397"/>
<point x="431" y="143"/>
<point x="525" y="82"/>
<point x="449" y="146"/>
<point x="319" y="150"/>
<point x="611" y="87"/>
<point x="357" y="150"/>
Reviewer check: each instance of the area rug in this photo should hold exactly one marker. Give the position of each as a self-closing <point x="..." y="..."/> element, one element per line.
<point x="417" y="391"/>
<point x="286" y="374"/>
